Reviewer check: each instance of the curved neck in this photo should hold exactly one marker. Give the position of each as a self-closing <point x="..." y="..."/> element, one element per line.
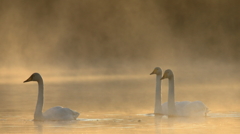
<point x="38" y="111"/>
<point x="171" y="97"/>
<point x="158" y="107"/>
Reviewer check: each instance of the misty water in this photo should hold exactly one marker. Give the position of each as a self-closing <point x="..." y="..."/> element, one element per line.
<point x="95" y="57"/>
<point x="115" y="104"/>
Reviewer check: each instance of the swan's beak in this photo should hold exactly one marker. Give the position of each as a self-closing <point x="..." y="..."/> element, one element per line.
<point x="29" y="79"/>
<point x="154" y="72"/>
<point x="163" y="77"/>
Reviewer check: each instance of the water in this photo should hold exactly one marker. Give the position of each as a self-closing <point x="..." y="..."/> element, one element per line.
<point x="93" y="122"/>
<point x="115" y="105"/>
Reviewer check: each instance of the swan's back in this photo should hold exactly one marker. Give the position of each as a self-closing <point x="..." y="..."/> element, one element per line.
<point x="60" y="113"/>
<point x="187" y="108"/>
<point x="195" y="108"/>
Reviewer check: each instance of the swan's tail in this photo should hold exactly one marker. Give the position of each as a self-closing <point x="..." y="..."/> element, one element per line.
<point x="75" y="114"/>
<point x="206" y="111"/>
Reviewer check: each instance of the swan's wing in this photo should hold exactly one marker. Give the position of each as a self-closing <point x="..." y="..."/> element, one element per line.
<point x="60" y="113"/>
<point x="195" y="108"/>
<point x="180" y="106"/>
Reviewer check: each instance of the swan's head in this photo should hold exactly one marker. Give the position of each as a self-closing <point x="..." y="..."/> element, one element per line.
<point x="157" y="71"/>
<point x="34" y="77"/>
<point x="167" y="74"/>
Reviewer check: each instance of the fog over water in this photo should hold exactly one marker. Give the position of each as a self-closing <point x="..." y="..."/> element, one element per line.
<point x="95" y="57"/>
<point x="92" y="40"/>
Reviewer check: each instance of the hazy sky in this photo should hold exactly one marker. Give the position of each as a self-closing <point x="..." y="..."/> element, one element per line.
<point x="86" y="33"/>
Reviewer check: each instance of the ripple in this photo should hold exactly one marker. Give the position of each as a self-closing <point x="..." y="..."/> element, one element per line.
<point x="224" y="115"/>
<point x="99" y="119"/>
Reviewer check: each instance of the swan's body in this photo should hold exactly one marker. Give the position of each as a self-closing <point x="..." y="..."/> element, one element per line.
<point x="55" y="113"/>
<point x="187" y="108"/>
<point x="172" y="108"/>
<point x="184" y="108"/>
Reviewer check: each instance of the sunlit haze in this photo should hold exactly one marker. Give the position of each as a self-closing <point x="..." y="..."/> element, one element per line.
<point x="96" y="55"/>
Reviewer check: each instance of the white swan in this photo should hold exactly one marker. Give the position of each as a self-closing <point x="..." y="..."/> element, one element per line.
<point x="55" y="113"/>
<point x="158" y="107"/>
<point x="184" y="108"/>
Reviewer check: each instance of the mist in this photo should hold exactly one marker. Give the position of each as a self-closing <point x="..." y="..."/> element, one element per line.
<point x="94" y="33"/>
<point x="198" y="40"/>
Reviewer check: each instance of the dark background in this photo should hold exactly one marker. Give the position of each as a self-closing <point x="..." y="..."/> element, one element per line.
<point x="107" y="33"/>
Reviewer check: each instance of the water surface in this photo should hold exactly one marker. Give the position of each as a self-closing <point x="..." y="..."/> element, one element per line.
<point x="115" y="105"/>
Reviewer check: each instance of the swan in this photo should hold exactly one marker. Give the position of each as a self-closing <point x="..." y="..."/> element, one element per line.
<point x="54" y="113"/>
<point x="184" y="108"/>
<point x="158" y="107"/>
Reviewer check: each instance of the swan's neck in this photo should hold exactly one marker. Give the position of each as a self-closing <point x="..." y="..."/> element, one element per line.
<point x="38" y="111"/>
<point x="171" y="98"/>
<point x="158" y="107"/>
